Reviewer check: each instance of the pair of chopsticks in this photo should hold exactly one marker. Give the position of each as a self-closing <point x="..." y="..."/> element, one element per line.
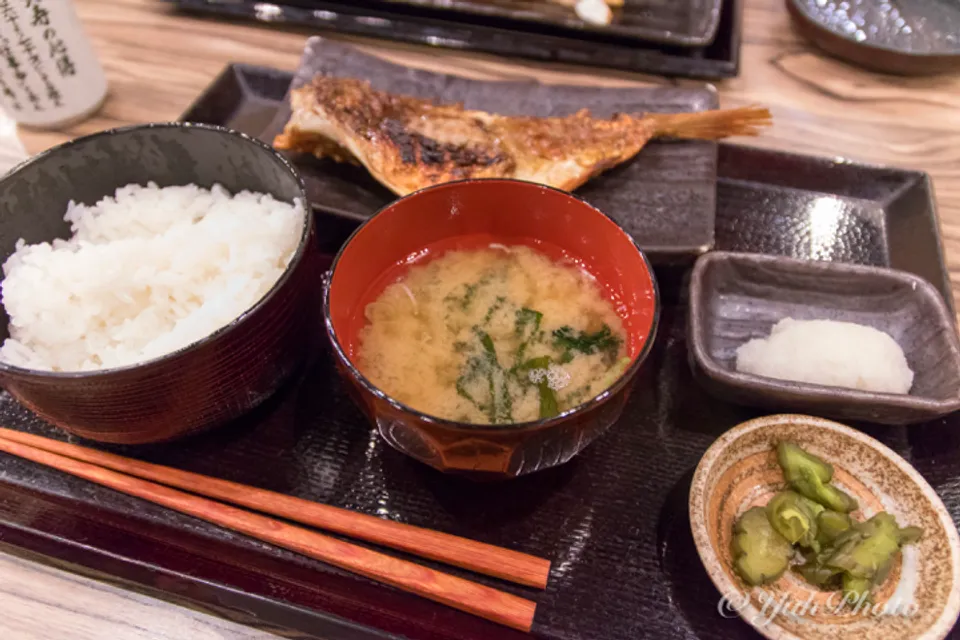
<point x="153" y="482"/>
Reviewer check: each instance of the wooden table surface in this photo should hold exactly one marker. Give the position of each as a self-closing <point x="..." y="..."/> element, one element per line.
<point x="158" y="61"/>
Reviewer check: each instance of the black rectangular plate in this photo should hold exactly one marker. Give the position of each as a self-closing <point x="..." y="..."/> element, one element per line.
<point x="691" y="23"/>
<point x="665" y="197"/>
<point x="789" y="204"/>
<point x="720" y="59"/>
<point x="613" y="521"/>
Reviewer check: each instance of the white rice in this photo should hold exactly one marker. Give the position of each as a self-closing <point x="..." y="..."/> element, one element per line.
<point x="146" y="272"/>
<point x="837" y="354"/>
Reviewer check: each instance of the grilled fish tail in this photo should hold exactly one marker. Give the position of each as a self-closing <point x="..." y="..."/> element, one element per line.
<point x="711" y="125"/>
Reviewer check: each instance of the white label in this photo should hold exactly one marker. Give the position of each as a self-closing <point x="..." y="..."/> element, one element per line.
<point x="49" y="73"/>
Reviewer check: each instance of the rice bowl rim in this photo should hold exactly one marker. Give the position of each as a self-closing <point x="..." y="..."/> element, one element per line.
<point x="295" y="259"/>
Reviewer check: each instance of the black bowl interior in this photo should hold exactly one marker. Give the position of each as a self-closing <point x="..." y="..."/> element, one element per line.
<point x="34" y="197"/>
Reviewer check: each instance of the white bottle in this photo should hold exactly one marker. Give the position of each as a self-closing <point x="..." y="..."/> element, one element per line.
<point x="49" y="74"/>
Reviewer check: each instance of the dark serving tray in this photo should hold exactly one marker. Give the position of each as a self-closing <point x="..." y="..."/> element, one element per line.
<point x="680" y="22"/>
<point x="613" y="520"/>
<point x="394" y="21"/>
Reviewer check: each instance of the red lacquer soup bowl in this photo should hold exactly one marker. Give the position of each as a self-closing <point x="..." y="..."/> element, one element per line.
<point x="469" y="214"/>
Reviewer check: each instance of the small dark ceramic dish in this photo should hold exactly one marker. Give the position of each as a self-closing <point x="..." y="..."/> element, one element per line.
<point x="208" y="382"/>
<point x="907" y="37"/>
<point x="506" y="211"/>
<point x="738" y="297"/>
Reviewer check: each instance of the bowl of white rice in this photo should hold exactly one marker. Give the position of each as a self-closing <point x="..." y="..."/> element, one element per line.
<point x="157" y="280"/>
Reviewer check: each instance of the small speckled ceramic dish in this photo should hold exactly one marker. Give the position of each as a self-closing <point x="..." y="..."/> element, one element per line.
<point x="736" y="297"/>
<point x="919" y="600"/>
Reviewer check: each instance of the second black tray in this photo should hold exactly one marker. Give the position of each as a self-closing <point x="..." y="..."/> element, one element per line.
<point x="767" y="201"/>
<point x="720" y="59"/>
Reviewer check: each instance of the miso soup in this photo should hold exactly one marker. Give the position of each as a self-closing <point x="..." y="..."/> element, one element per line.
<point x="493" y="335"/>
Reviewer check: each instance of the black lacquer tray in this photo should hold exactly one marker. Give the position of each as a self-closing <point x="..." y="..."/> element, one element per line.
<point x="613" y="521"/>
<point x="510" y="38"/>
<point x="679" y="22"/>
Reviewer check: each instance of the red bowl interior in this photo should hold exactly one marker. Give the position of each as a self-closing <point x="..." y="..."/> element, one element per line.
<point x="474" y="213"/>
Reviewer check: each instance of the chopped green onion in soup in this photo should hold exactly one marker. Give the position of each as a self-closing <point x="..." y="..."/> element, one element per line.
<point x="493" y="336"/>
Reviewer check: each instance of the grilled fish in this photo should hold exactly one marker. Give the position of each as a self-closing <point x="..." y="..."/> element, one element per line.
<point x="410" y="143"/>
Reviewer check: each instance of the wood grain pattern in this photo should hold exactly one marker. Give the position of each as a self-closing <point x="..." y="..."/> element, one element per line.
<point x="461" y="552"/>
<point x="158" y="61"/>
<point x="40" y="603"/>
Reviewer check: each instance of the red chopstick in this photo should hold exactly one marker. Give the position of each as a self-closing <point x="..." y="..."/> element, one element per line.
<point x="480" y="600"/>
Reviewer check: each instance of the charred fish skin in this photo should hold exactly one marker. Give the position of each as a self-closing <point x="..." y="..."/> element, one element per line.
<point x="409" y="143"/>
<point x="406" y="143"/>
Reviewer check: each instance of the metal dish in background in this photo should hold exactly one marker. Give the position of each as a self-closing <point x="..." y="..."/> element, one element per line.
<point x="721" y="59"/>
<point x="687" y="23"/>
<point x="905" y="37"/>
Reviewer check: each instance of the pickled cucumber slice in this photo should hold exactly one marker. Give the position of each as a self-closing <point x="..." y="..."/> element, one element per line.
<point x="795" y="518"/>
<point x="830" y="525"/>
<point x="761" y="555"/>
<point x="811" y="486"/>
<point x="869" y="549"/>
<point x="855" y="589"/>
<point x="818" y="574"/>
<point x="909" y="535"/>
<point x="793" y="459"/>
